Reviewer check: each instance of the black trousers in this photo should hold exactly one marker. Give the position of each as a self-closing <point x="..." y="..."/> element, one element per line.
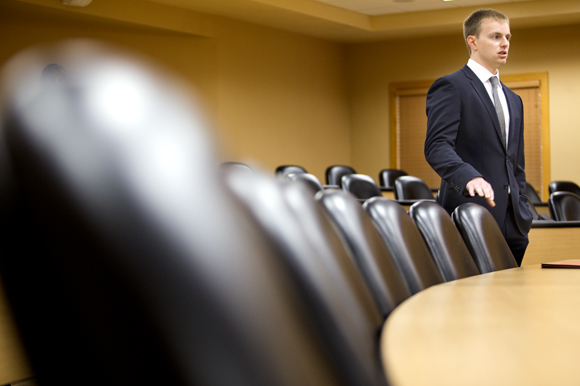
<point x="516" y="241"/>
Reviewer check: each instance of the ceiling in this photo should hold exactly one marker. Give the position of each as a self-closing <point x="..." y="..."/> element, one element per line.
<point x="383" y="7"/>
<point x="345" y="21"/>
<point x="354" y="21"/>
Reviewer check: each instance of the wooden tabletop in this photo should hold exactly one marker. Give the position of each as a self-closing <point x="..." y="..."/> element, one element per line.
<point x="515" y="327"/>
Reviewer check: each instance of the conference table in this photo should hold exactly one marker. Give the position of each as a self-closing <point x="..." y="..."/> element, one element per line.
<point x="519" y="326"/>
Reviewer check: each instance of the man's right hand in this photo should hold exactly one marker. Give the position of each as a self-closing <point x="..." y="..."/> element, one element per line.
<point x="482" y="188"/>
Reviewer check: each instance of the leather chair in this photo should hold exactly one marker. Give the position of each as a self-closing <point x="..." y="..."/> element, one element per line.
<point x="564" y="206"/>
<point x="284" y="170"/>
<point x="118" y="266"/>
<point x="443" y="240"/>
<point x="564" y="186"/>
<point x="340" y="301"/>
<point x="235" y="167"/>
<point x="309" y="179"/>
<point x="334" y="174"/>
<point x="367" y="249"/>
<point x="532" y="194"/>
<point x="404" y="242"/>
<point x="412" y="188"/>
<point x="483" y="238"/>
<point x="361" y="186"/>
<point x="387" y="177"/>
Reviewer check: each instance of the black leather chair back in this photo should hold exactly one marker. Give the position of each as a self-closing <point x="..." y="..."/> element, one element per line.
<point x="361" y="186"/>
<point x="387" y="177"/>
<point x="284" y="170"/>
<point x="564" y="186"/>
<point x="564" y="206"/>
<point x="532" y="194"/>
<point x="307" y="178"/>
<point x="443" y="240"/>
<point x="483" y="238"/>
<point x="122" y="269"/>
<point x="334" y="174"/>
<point x="405" y="243"/>
<point x="412" y="188"/>
<point x="366" y="248"/>
<point x="340" y="301"/>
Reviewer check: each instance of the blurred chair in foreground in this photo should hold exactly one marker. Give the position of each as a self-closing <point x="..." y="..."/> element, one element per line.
<point x="119" y="267"/>
<point x="412" y="188"/>
<point x="238" y="167"/>
<point x="443" y="240"/>
<point x="564" y="186"/>
<point x="284" y="170"/>
<point x="361" y="186"/>
<point x="387" y="177"/>
<point x="364" y="244"/>
<point x="309" y="179"/>
<point x="404" y="242"/>
<point x="483" y="238"/>
<point x="334" y="174"/>
<point x="564" y="206"/>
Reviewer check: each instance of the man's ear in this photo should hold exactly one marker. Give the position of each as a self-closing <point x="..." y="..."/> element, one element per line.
<point x="471" y="41"/>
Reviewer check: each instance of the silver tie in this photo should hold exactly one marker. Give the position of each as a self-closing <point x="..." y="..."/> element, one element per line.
<point x="498" y="108"/>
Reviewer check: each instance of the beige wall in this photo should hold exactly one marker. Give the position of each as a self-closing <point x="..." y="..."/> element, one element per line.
<point x="374" y="66"/>
<point x="277" y="97"/>
<point x="274" y="97"/>
<point x="282" y="98"/>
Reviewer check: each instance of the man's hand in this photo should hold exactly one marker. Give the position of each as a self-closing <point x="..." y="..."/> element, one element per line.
<point x="482" y="188"/>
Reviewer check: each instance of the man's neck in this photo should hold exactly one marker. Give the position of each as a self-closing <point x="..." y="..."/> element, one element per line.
<point x="492" y="70"/>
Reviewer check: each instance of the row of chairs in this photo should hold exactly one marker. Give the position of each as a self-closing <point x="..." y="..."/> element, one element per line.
<point x="563" y="206"/>
<point x="335" y="173"/>
<point x="362" y="186"/>
<point x="121" y="269"/>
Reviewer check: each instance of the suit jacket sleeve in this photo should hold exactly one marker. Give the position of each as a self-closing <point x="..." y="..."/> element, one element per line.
<point x="443" y="122"/>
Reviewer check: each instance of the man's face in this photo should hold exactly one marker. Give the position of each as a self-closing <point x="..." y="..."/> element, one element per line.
<point x="490" y="48"/>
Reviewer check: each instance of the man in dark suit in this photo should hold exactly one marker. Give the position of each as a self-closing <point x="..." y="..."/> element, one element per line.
<point x="475" y="132"/>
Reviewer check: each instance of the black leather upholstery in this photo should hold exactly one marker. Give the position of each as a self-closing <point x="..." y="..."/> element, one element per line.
<point x="405" y="243"/>
<point x="284" y="170"/>
<point x="443" y="240"/>
<point x="340" y="301"/>
<point x="564" y="186"/>
<point x="122" y="269"/>
<point x="367" y="249"/>
<point x="532" y="194"/>
<point x="412" y="188"/>
<point x="564" y="206"/>
<point x="387" y="177"/>
<point x="334" y="174"/>
<point x="361" y="186"/>
<point x="309" y="179"/>
<point x="483" y="238"/>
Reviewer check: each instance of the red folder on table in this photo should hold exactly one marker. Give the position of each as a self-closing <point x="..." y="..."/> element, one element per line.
<point x="562" y="264"/>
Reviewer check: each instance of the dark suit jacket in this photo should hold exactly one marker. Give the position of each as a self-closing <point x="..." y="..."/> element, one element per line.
<point x="464" y="141"/>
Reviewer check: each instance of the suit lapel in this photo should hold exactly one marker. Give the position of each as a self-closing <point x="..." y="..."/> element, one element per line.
<point x="513" y="118"/>
<point x="480" y="90"/>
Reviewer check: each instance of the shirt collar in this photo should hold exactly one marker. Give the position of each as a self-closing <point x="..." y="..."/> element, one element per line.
<point x="481" y="72"/>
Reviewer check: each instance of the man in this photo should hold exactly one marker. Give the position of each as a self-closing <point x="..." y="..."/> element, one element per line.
<point x="478" y="158"/>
